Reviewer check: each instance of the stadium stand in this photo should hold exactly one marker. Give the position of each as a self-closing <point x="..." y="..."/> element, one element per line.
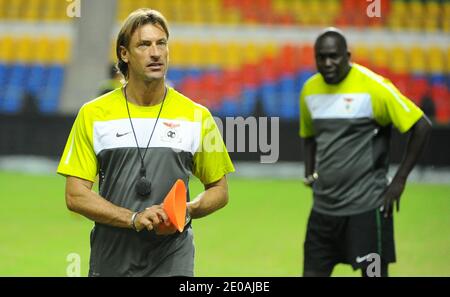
<point x="237" y="78"/>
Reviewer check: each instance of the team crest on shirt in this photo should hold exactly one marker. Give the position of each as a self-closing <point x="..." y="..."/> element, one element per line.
<point x="171" y="133"/>
<point x="348" y="103"/>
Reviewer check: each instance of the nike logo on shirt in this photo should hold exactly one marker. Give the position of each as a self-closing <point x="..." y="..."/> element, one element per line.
<point x="120" y="135"/>
<point x="361" y="259"/>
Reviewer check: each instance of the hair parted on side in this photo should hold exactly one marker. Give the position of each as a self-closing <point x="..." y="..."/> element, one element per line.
<point x="136" y="19"/>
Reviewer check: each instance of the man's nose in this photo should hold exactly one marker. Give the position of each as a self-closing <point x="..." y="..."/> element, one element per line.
<point x="328" y="62"/>
<point x="154" y="51"/>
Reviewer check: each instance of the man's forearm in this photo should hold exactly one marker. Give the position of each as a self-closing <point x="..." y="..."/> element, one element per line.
<point x="207" y="202"/>
<point x="94" y="207"/>
<point x="416" y="143"/>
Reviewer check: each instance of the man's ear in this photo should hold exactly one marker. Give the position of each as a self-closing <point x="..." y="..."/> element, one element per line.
<point x="124" y="54"/>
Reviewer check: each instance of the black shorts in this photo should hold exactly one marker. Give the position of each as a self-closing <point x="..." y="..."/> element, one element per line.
<point x="347" y="239"/>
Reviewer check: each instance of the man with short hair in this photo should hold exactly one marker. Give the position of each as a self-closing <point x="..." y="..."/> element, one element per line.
<point x="140" y="139"/>
<point x="346" y="113"/>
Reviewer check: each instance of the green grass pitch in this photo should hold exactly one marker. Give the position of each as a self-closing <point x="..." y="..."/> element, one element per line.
<point x="259" y="233"/>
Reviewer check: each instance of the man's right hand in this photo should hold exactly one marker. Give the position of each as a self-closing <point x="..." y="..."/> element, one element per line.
<point x="150" y="218"/>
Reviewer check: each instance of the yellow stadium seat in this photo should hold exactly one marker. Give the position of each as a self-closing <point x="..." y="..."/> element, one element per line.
<point x="179" y="14"/>
<point x="177" y="53"/>
<point x="318" y="7"/>
<point x="399" y="60"/>
<point x="334" y="7"/>
<point x="60" y="10"/>
<point x="163" y="6"/>
<point x="250" y="52"/>
<point x="13" y="9"/>
<point x="25" y="50"/>
<point x="398" y="8"/>
<point x="432" y="9"/>
<point x="50" y="12"/>
<point x="43" y="54"/>
<point x="448" y="61"/>
<point x="446" y="10"/>
<point x="218" y="55"/>
<point x="415" y="8"/>
<point x="62" y="50"/>
<point x="214" y="54"/>
<point x="232" y="57"/>
<point x="7" y="49"/>
<point x="380" y="57"/>
<point x="154" y="4"/>
<point x="36" y="9"/>
<point x="431" y="24"/>
<point x="232" y="16"/>
<point x="140" y="4"/>
<point x="435" y="59"/>
<point x="396" y="23"/>
<point x="361" y="54"/>
<point x="269" y="50"/>
<point x="123" y="9"/>
<point x="2" y="9"/>
<point x="214" y="14"/>
<point x="397" y="15"/>
<point x="417" y="60"/>
<point x="197" y="53"/>
<point x="446" y="25"/>
<point x="414" y="23"/>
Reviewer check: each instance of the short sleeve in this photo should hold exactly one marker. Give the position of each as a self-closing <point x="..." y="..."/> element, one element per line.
<point x="306" y="124"/>
<point x="211" y="161"/>
<point x="79" y="158"/>
<point x="390" y="106"/>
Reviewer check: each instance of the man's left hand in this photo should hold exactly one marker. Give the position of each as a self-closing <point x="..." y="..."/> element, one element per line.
<point x="393" y="194"/>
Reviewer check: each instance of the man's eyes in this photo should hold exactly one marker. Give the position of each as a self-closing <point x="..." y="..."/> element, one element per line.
<point x="331" y="56"/>
<point x="145" y="44"/>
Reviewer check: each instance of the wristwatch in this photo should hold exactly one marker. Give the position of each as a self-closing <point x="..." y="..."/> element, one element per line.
<point x="310" y="179"/>
<point x="188" y="218"/>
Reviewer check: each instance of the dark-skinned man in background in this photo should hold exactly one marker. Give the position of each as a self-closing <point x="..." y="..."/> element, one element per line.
<point x="346" y="114"/>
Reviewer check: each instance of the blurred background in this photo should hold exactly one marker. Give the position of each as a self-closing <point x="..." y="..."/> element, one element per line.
<point x="238" y="58"/>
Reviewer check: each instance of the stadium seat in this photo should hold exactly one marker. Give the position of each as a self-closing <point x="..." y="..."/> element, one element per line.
<point x="212" y="84"/>
<point x="417" y="62"/>
<point x="380" y="58"/>
<point x="289" y="59"/>
<point x="250" y="75"/>
<point x="418" y="89"/>
<point x="248" y="101"/>
<point x="361" y="54"/>
<point x="7" y="52"/>
<point x="269" y="99"/>
<point x="288" y="97"/>
<point x="441" y="99"/>
<point x="307" y="57"/>
<point x="435" y="61"/>
<point x="399" y="60"/>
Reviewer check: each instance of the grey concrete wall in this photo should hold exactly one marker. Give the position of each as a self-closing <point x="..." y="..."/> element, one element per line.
<point x="91" y="53"/>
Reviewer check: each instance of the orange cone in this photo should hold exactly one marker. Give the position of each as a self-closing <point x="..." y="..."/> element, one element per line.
<point x="175" y="205"/>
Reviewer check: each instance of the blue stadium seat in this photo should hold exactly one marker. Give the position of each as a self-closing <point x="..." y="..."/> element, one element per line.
<point x="270" y="102"/>
<point x="248" y="101"/>
<point x="288" y="97"/>
<point x="4" y="68"/>
<point x="14" y="88"/>
<point x="303" y="76"/>
<point x="437" y="79"/>
<point x="193" y="72"/>
<point x="52" y="91"/>
<point x="37" y="79"/>
<point x="175" y="75"/>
